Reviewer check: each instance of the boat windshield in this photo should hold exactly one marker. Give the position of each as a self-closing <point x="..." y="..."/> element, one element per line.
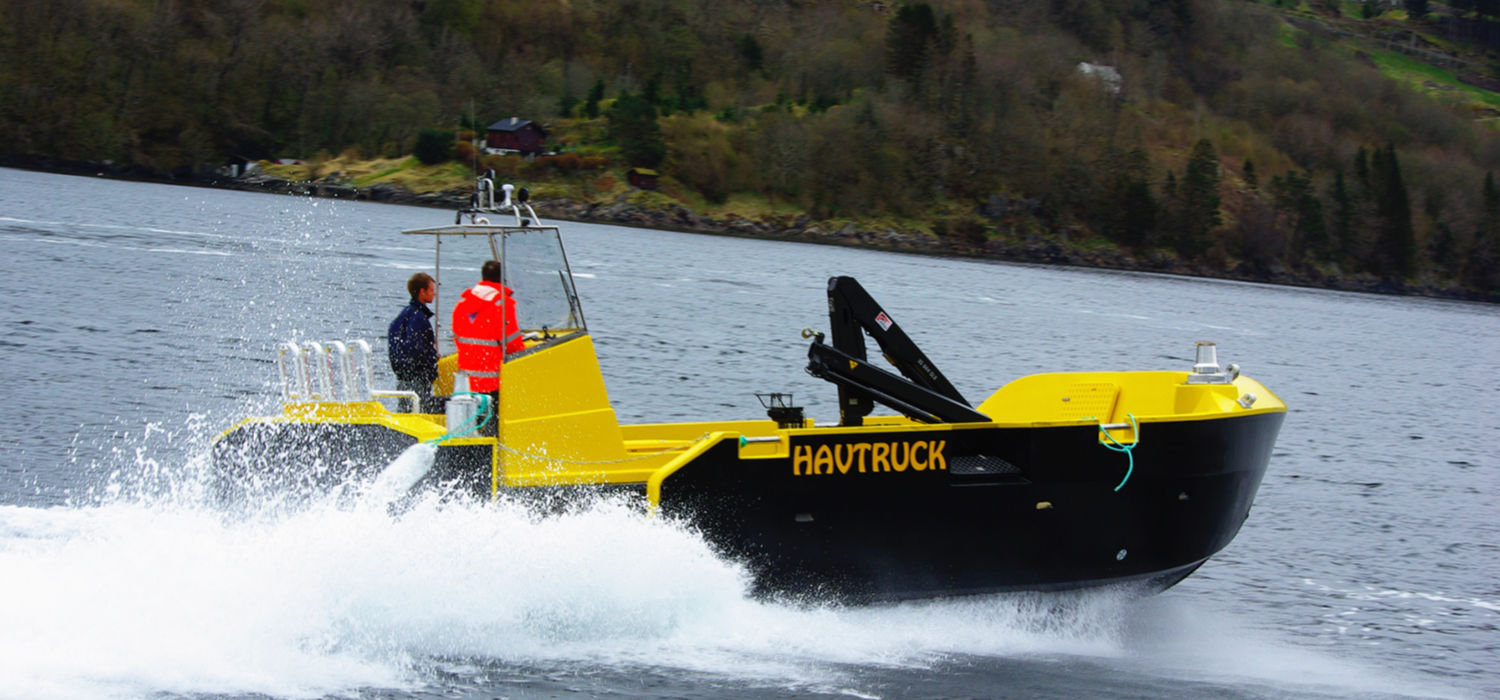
<point x="535" y="269"/>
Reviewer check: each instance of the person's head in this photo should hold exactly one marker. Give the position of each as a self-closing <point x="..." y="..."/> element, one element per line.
<point x="422" y="287"/>
<point x="490" y="272"/>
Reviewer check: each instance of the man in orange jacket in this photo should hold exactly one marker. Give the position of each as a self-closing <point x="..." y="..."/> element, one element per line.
<point x="485" y="331"/>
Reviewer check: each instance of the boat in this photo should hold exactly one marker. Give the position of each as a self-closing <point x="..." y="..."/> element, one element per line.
<point x="1055" y="481"/>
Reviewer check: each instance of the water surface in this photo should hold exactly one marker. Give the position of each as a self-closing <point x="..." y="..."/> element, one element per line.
<point x="140" y="321"/>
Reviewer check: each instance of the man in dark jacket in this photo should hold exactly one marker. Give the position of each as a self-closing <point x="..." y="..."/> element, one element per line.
<point x="413" y="347"/>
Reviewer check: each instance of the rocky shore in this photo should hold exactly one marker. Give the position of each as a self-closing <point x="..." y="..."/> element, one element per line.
<point x="1032" y="249"/>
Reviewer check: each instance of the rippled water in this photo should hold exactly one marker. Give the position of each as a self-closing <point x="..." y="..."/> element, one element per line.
<point x="139" y="322"/>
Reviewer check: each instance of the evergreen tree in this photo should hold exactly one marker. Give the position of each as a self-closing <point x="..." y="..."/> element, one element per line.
<point x="652" y="92"/>
<point x="1312" y="229"/>
<point x="1343" y="217"/>
<point x="961" y="98"/>
<point x="1481" y="268"/>
<point x="596" y="94"/>
<point x="1397" y="254"/>
<point x="1171" y="20"/>
<point x="1295" y="199"/>
<point x="1138" y="212"/>
<point x="909" y="41"/>
<point x="633" y="126"/>
<point x="1169" y="214"/>
<point x="690" y="98"/>
<point x="433" y="146"/>
<point x="1443" y="251"/>
<point x="1417" y="9"/>
<point x="1491" y="205"/>
<point x="1199" y="192"/>
<point x="1250" y="179"/>
<point x="751" y="53"/>
<point x="1362" y="169"/>
<point x="1132" y="211"/>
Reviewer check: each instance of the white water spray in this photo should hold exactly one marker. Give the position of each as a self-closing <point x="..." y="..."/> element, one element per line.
<point x="401" y="474"/>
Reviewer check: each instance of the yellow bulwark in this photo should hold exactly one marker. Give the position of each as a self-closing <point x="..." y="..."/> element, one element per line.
<point x="558" y="428"/>
<point x="1114" y="398"/>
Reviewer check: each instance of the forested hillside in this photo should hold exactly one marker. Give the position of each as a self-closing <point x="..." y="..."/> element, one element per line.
<point x="1324" y="139"/>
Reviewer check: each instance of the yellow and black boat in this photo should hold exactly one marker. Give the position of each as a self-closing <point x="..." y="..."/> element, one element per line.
<point x="1055" y="481"/>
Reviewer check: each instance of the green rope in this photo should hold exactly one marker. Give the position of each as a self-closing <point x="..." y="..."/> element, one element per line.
<point x="1118" y="446"/>
<point x="480" y="418"/>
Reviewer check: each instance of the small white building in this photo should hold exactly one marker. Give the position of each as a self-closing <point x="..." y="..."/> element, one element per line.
<point x="1104" y="74"/>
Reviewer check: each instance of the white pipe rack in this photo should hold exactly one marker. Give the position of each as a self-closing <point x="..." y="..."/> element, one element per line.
<point x="332" y="372"/>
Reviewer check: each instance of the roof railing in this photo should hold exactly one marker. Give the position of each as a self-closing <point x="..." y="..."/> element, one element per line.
<point x="483" y="202"/>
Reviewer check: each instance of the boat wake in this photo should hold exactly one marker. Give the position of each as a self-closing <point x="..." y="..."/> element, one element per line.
<point x="163" y="595"/>
<point x="133" y="597"/>
<point x="128" y="598"/>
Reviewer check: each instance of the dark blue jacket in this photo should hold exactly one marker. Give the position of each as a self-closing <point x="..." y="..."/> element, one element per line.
<point x="413" y="353"/>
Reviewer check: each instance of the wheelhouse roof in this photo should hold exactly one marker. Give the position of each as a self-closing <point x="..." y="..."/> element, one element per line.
<point x="477" y="230"/>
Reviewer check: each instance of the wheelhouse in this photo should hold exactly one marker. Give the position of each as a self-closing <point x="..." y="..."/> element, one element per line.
<point x="535" y="268"/>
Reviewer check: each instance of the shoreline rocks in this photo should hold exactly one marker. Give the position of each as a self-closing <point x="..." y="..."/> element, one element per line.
<point x="676" y="217"/>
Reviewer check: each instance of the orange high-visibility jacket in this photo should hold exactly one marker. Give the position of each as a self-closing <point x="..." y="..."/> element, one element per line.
<point x="484" y="320"/>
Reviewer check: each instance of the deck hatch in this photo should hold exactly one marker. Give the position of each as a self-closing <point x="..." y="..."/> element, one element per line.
<point x="1090" y="400"/>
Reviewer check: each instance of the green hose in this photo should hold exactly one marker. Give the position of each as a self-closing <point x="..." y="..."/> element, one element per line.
<point x="1118" y="446"/>
<point x="480" y="418"/>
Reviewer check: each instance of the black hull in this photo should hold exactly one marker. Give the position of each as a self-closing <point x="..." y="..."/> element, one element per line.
<point x="1051" y="520"/>
<point x="1010" y="509"/>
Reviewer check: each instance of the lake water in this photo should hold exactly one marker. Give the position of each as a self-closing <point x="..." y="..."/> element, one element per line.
<point x="140" y="320"/>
